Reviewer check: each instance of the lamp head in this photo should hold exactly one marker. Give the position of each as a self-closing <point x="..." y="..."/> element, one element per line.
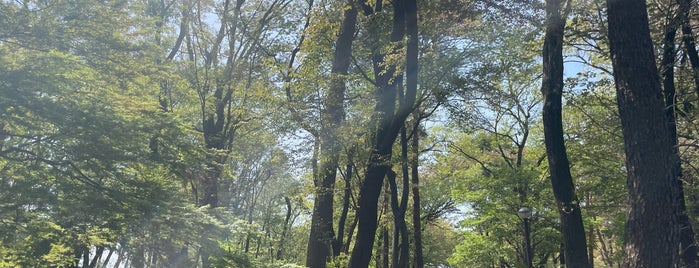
<point x="524" y="213"/>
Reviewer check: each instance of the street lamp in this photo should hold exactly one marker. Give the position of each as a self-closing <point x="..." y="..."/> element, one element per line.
<point x="525" y="213"/>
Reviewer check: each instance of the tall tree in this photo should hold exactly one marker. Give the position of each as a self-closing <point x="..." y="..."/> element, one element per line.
<point x="497" y="104"/>
<point x="572" y="228"/>
<point x="651" y="232"/>
<point x="688" y="248"/>
<point x="389" y="118"/>
<point x="322" y="235"/>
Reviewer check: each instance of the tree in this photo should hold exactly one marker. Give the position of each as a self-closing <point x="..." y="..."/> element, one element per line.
<point x="418" y="260"/>
<point x="190" y="133"/>
<point x="595" y="145"/>
<point x="651" y="233"/>
<point x="496" y="104"/>
<point x="389" y="116"/>
<point x="320" y="243"/>
<point x="688" y="39"/>
<point x="688" y="248"/>
<point x="572" y="226"/>
<point x="72" y="122"/>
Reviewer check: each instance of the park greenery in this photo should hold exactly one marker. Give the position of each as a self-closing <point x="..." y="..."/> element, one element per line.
<point x="348" y="133"/>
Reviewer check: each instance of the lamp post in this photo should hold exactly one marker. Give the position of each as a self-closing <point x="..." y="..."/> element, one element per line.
<point x="525" y="214"/>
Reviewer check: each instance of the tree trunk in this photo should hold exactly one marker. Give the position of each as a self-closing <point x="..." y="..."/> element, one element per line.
<point x="384" y="249"/>
<point x="401" y="246"/>
<point x="350" y="234"/>
<point x="591" y="246"/>
<point x="86" y="258"/>
<point x="688" y="40"/>
<point x="389" y="120"/>
<point x="265" y="227"/>
<point x="217" y="135"/>
<point x="605" y="253"/>
<point x="403" y="207"/>
<point x="380" y="253"/>
<point x="651" y="233"/>
<point x="209" y="184"/>
<point x="383" y="137"/>
<point x="109" y="256"/>
<point x="153" y="258"/>
<point x="366" y="229"/>
<point x="347" y="193"/>
<point x="320" y="242"/>
<point x="400" y="229"/>
<point x="120" y="257"/>
<point x="572" y="226"/>
<point x="562" y="255"/>
<point x="251" y="209"/>
<point x="414" y="165"/>
<point x="96" y="258"/>
<point x="688" y="249"/>
<point x="688" y="246"/>
<point x="285" y="228"/>
<point x="381" y="257"/>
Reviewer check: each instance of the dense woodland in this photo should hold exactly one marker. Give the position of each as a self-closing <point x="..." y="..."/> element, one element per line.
<point x="348" y="133"/>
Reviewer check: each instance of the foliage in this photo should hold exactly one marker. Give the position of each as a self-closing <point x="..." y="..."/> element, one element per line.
<point x="107" y="145"/>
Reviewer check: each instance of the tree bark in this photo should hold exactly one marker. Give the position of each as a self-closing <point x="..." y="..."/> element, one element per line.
<point x="384" y="249"/>
<point x="401" y="246"/>
<point x="285" y="229"/>
<point x="418" y="261"/>
<point x="320" y="242"/>
<point x="120" y="257"/>
<point x="572" y="226"/>
<point x="688" y="249"/>
<point x="109" y="256"/>
<point x="403" y="206"/>
<point x="591" y="246"/>
<point x="400" y="229"/>
<point x="86" y="258"/>
<point x="96" y="258"/>
<point x="347" y="193"/>
<point x="651" y="227"/>
<point x="604" y="252"/>
<point x="382" y="260"/>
